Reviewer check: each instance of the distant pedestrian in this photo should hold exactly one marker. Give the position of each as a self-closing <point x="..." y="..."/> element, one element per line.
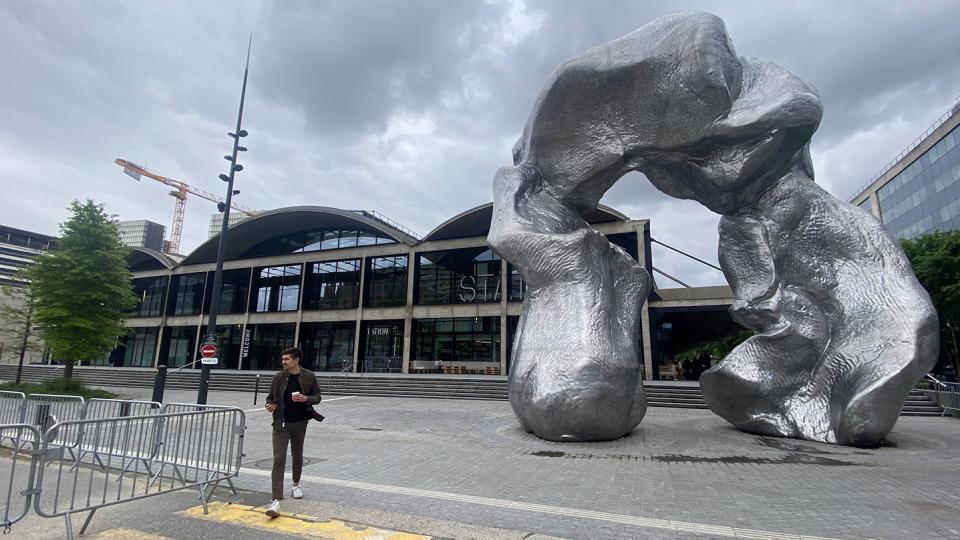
<point x="293" y="392"/>
<point x="438" y="365"/>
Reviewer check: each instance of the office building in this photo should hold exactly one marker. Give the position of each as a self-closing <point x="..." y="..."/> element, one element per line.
<point x="918" y="192"/>
<point x="142" y="233"/>
<point x="360" y="294"/>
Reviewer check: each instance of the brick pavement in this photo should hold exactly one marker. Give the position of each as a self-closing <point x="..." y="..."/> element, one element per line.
<point x="681" y="465"/>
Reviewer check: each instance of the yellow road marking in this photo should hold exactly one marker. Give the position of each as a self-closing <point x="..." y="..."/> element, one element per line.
<point x="127" y="534"/>
<point x="295" y="524"/>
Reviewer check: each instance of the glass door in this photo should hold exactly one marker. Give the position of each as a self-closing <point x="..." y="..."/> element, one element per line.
<point x="383" y="351"/>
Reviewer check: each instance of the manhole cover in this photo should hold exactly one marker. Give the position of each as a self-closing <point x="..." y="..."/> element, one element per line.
<point x="267" y="463"/>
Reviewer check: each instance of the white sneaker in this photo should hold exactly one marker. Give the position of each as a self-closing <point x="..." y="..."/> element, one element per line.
<point x="297" y="492"/>
<point x="273" y="509"/>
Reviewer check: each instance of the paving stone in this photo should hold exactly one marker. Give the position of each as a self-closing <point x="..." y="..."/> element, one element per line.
<point x="682" y="465"/>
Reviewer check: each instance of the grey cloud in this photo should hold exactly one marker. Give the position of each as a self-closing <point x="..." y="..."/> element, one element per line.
<point x="407" y="108"/>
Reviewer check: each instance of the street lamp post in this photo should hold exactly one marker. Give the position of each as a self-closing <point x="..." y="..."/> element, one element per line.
<point x="211" y="337"/>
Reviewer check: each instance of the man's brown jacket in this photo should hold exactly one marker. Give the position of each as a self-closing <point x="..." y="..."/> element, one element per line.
<point x="308" y="387"/>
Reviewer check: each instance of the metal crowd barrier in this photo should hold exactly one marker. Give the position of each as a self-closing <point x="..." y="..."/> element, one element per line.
<point x="90" y="444"/>
<point x="139" y="456"/>
<point x="24" y="440"/>
<point x="197" y="443"/>
<point x="45" y="410"/>
<point x="948" y="396"/>
<point x="11" y="412"/>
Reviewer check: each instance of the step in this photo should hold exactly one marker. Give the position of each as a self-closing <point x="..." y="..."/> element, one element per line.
<point x="439" y="387"/>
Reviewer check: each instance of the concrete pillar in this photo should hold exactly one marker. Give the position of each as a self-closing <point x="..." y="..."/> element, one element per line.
<point x="875" y="205"/>
<point x="359" y="317"/>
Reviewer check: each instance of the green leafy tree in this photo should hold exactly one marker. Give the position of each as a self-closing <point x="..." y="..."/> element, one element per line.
<point x="16" y="311"/>
<point x="717" y="349"/>
<point x="84" y="289"/>
<point x="936" y="261"/>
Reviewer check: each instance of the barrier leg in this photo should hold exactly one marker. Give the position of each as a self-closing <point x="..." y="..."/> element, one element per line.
<point x="87" y="521"/>
<point x="232" y="487"/>
<point x="205" y="494"/>
<point x="66" y="518"/>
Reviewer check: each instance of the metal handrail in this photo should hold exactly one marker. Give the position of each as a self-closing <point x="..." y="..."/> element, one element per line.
<point x="935" y="380"/>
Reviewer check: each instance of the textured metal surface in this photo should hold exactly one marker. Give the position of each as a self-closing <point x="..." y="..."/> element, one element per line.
<point x="844" y="328"/>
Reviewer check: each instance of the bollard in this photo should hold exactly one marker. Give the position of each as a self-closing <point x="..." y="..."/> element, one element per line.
<point x="158" y="383"/>
<point x="42" y="413"/>
<point x="256" y="389"/>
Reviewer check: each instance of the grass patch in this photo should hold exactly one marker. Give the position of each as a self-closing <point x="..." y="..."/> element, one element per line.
<point x="61" y="386"/>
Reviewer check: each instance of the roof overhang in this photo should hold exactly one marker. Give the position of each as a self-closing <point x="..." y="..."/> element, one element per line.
<point x="476" y="222"/>
<point x="142" y="259"/>
<point x="250" y="232"/>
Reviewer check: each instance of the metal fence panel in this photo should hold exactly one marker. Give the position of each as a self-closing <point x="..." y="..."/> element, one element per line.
<point x="137" y="440"/>
<point x="948" y="397"/>
<point x="97" y="408"/>
<point x="44" y="410"/>
<point x="11" y="412"/>
<point x="17" y="479"/>
<point x="139" y="456"/>
<point x="170" y="408"/>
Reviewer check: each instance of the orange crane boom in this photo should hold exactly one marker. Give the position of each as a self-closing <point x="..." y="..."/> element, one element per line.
<point x="180" y="194"/>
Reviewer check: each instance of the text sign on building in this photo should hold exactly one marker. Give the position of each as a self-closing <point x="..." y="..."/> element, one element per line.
<point x="245" y="352"/>
<point x="208" y="351"/>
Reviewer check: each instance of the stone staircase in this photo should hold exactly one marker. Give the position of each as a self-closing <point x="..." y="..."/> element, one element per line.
<point x="659" y="394"/>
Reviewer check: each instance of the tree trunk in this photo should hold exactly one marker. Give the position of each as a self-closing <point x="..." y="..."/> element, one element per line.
<point x="68" y="370"/>
<point x="23" y="347"/>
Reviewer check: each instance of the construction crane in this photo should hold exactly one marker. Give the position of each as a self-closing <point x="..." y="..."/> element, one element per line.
<point x="180" y="194"/>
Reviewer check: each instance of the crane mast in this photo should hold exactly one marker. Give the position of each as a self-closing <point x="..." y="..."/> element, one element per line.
<point x="180" y="191"/>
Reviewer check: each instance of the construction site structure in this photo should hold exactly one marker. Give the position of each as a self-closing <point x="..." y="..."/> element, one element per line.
<point x="181" y="189"/>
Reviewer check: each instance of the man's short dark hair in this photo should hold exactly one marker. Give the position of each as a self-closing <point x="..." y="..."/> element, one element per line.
<point x="294" y="352"/>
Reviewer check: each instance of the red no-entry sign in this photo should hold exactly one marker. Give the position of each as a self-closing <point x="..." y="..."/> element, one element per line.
<point x="208" y="351"/>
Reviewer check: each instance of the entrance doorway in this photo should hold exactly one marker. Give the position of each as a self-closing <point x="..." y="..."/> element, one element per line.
<point x="383" y="347"/>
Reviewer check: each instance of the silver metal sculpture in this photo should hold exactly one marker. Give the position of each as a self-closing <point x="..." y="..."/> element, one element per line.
<point x="843" y="327"/>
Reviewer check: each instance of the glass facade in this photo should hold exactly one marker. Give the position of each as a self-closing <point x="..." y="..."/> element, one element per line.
<point x="267" y="341"/>
<point x="327" y="346"/>
<point x="136" y="349"/>
<point x="433" y="298"/>
<point x="229" y="343"/>
<point x="925" y="196"/>
<point x="318" y="239"/>
<point x="627" y="241"/>
<point x="234" y="291"/>
<point x="383" y="347"/>
<point x="517" y="287"/>
<point x="150" y="293"/>
<point x="867" y="205"/>
<point x="459" y="344"/>
<point x="332" y="285"/>
<point x="186" y="294"/>
<point x="387" y="281"/>
<point x="180" y="343"/>
<point x="276" y="288"/>
<point x="461" y="276"/>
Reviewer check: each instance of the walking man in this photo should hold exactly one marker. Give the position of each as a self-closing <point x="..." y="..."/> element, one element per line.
<point x="293" y="392"/>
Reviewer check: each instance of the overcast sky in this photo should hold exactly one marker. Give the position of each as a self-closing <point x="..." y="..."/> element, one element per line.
<point x="407" y="108"/>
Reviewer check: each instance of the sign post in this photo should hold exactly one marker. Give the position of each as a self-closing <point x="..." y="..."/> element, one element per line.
<point x="208" y="352"/>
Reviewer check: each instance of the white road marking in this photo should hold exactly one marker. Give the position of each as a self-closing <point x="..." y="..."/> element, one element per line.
<point x="322" y="402"/>
<point x="624" y="519"/>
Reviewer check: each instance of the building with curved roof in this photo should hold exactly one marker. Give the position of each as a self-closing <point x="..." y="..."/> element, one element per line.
<point x="360" y="294"/>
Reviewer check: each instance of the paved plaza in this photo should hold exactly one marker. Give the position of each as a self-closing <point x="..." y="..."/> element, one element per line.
<point x="463" y="469"/>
